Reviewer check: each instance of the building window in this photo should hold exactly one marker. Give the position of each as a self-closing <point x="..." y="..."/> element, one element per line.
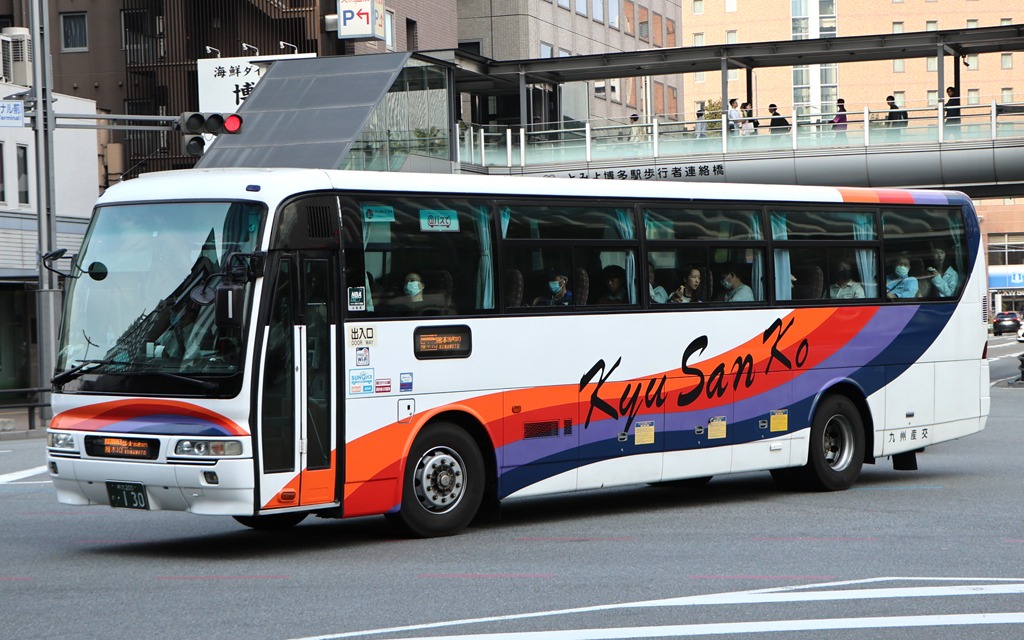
<point x="933" y="64"/>
<point x="1008" y="201"/>
<point x="698" y="41"/>
<point x="972" y="24"/>
<point x="1006" y="61"/>
<point x="732" y="38"/>
<point x="599" y="10"/>
<point x="933" y="98"/>
<point x="389" y="30"/>
<point x="931" y="25"/>
<point x="1005" y="22"/>
<point x="546" y="50"/>
<point x="600" y="89"/>
<point x="563" y="3"/>
<point x="698" y="7"/>
<point x="900" y="98"/>
<point x="412" y="35"/>
<point x="670" y="33"/>
<point x="657" y="38"/>
<point x="75" y="32"/>
<point x="897" y="27"/>
<point x="972" y="62"/>
<point x="673" y="103"/>
<point x="613" y="14"/>
<point x="613" y="89"/>
<point x="898" y="66"/>
<point x="581" y="7"/>
<point x="629" y="17"/>
<point x="22" y="174"/>
<point x="1007" y="95"/>
<point x="826" y="18"/>
<point x="564" y="53"/>
<point x="659" y="99"/>
<point x="973" y="96"/>
<point x="630" y="92"/>
<point x="644" y="24"/>
<point x="730" y="6"/>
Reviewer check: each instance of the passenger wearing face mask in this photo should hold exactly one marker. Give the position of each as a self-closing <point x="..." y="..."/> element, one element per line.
<point x="900" y="284"/>
<point x="845" y="287"/>
<point x="557" y="294"/>
<point x="411" y="302"/>
<point x="735" y="289"/>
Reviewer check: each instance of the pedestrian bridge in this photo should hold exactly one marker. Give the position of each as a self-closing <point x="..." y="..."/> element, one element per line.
<point x="982" y="154"/>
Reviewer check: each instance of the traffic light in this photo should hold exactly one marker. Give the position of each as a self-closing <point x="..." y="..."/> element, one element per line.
<point x="193" y="125"/>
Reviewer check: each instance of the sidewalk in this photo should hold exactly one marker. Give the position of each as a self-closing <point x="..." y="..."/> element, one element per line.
<point x="18" y="418"/>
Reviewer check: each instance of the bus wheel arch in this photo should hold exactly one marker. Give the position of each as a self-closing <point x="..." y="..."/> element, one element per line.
<point x="445" y="477"/>
<point x="855" y="395"/>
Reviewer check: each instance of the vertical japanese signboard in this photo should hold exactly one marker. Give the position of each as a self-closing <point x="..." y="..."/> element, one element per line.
<point x="361" y="20"/>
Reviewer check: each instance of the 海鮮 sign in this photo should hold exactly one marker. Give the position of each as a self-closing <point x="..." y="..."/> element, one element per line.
<point x="225" y="83"/>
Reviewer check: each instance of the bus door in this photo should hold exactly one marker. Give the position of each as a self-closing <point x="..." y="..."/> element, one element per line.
<point x="298" y="407"/>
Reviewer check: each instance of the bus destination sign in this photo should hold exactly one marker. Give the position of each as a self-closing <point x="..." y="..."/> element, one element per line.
<point x="110" y="447"/>
<point x="454" y="341"/>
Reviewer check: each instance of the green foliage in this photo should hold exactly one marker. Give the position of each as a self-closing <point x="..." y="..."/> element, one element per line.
<point x="713" y="114"/>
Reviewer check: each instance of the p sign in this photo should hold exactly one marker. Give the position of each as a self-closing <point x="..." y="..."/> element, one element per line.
<point x="361" y="19"/>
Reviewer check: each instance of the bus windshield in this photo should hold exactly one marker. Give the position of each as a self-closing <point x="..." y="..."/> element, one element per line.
<point x="128" y="309"/>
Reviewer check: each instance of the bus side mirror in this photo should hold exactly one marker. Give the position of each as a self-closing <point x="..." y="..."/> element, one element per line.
<point x="228" y="310"/>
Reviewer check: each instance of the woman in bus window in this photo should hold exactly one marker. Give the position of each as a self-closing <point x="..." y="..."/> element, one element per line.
<point x="944" y="276"/>
<point x="900" y="284"/>
<point x="689" y="291"/>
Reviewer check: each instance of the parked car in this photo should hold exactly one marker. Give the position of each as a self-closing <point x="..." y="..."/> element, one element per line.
<point x="1006" y="322"/>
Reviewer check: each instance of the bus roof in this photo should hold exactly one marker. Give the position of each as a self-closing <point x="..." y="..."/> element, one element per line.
<point x="273" y="185"/>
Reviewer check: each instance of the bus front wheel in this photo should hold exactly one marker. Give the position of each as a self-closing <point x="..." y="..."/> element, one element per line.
<point x="836" y="452"/>
<point x="443" y="483"/>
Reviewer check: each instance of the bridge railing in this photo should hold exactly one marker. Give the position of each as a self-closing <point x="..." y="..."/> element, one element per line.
<point x="610" y="139"/>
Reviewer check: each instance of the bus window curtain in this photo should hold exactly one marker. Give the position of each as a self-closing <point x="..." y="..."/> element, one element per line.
<point x="864" y="229"/>
<point x="783" y="268"/>
<point x="956" y="231"/>
<point x="368" y="294"/>
<point x="624" y="222"/>
<point x="506" y="215"/>
<point x="485" y="272"/>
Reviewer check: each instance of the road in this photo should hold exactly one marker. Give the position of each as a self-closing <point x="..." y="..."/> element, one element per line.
<point x="934" y="553"/>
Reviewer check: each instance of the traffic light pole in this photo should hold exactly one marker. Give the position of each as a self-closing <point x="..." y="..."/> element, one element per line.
<point x="48" y="297"/>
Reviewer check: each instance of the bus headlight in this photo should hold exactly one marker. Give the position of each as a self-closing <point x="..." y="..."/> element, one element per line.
<point x="208" y="448"/>
<point x="60" y="440"/>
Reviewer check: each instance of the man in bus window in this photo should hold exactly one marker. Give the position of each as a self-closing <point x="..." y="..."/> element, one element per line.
<point x="735" y="289"/>
<point x="845" y="286"/>
<point x="614" y="277"/>
<point x="557" y="294"/>
<point x="900" y="284"/>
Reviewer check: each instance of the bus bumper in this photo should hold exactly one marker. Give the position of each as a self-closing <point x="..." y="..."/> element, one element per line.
<point x="169" y="487"/>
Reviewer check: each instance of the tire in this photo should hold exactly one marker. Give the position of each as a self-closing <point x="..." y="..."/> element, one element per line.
<point x="272" y="522"/>
<point x="443" y="484"/>
<point x="836" y="452"/>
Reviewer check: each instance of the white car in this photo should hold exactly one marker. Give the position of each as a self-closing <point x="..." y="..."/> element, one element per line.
<point x="1020" y="334"/>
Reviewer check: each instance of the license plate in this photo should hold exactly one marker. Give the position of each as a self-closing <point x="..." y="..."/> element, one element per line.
<point x="127" y="495"/>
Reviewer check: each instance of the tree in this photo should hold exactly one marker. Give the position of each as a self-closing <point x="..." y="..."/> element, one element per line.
<point x="713" y="114"/>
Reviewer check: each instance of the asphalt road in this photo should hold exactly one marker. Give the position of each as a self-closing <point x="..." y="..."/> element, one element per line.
<point x="935" y="553"/>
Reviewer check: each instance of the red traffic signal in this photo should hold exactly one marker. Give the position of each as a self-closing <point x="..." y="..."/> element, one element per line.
<point x="193" y="125"/>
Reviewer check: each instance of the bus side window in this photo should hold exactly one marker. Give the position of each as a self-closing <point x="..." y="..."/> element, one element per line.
<point x="932" y="242"/>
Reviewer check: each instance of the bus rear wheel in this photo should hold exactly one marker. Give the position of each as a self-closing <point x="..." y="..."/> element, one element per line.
<point x="272" y="522"/>
<point x="443" y="483"/>
<point x="836" y="452"/>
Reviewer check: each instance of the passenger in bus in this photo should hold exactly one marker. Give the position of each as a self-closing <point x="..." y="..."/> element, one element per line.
<point x="614" y="278"/>
<point x="411" y="301"/>
<point x="735" y="289"/>
<point x="845" y="287"/>
<point x="689" y="291"/>
<point x="944" y="277"/>
<point x="657" y="293"/>
<point x="923" y="277"/>
<point x="557" y="294"/>
<point x="900" y="284"/>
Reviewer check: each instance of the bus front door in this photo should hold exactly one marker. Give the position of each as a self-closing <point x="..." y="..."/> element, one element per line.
<point x="298" y="408"/>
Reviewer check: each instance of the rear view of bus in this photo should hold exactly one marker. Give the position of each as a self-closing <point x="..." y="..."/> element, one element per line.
<point x="267" y="345"/>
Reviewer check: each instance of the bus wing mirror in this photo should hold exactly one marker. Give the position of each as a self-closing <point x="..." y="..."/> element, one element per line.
<point x="228" y="310"/>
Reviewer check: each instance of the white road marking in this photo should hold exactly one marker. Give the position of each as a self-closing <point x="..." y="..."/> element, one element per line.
<point x="18" y="475"/>
<point x="795" y="593"/>
<point x="765" y="626"/>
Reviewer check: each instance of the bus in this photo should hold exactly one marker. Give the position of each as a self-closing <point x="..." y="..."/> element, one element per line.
<point x="266" y="344"/>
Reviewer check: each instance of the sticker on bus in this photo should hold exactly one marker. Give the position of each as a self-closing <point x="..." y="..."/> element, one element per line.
<point x="357" y="298"/>
<point x="360" y="381"/>
<point x="716" y="428"/>
<point x="362" y="336"/>
<point x="376" y="213"/>
<point x="643" y="433"/>
<point x="405" y="382"/>
<point x="780" y="420"/>
<point x="439" y="220"/>
<point x="362" y="356"/>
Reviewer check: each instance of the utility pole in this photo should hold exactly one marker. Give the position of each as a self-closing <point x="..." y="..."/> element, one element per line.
<point x="48" y="296"/>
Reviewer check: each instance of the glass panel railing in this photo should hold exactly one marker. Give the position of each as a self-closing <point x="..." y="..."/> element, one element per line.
<point x="1010" y="120"/>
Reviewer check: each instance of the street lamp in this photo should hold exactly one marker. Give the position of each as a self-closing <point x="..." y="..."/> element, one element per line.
<point x="282" y="44"/>
<point x="246" y="47"/>
<point x="210" y="49"/>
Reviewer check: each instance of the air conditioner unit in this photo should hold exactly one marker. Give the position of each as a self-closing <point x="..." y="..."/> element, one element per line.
<point x="6" y="60"/>
<point x="21" y="55"/>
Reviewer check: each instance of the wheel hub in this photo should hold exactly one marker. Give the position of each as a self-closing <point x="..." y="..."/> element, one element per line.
<point x="837" y="442"/>
<point x="439" y="479"/>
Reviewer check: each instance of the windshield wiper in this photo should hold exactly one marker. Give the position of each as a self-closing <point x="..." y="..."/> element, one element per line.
<point x="87" y="365"/>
